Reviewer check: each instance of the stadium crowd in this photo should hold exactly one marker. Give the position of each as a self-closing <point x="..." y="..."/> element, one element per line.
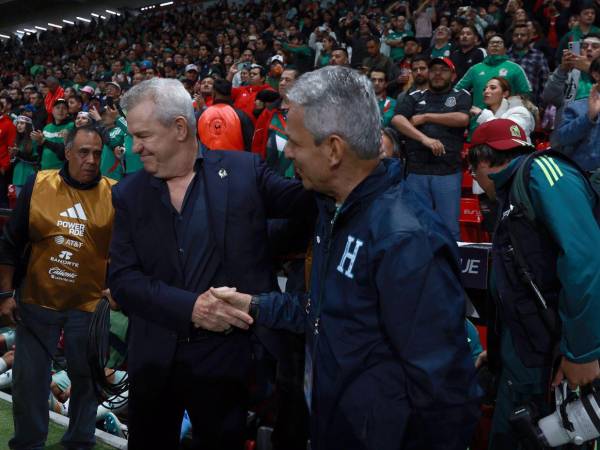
<point x="440" y="70"/>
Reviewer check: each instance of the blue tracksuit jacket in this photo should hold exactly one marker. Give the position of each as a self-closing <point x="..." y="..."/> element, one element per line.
<point x="388" y="364"/>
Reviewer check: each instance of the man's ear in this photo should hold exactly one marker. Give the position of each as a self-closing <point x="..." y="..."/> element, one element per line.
<point x="337" y="147"/>
<point x="182" y="128"/>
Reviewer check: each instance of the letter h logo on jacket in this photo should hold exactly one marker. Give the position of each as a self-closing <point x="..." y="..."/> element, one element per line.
<point x="349" y="255"/>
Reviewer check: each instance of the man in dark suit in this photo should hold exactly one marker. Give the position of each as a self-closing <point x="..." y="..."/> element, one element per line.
<point x="186" y="223"/>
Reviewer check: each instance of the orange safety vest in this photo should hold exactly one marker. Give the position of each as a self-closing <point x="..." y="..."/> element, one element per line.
<point x="220" y="128"/>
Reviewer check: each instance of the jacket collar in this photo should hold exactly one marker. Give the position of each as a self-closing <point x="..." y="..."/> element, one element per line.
<point x="387" y="173"/>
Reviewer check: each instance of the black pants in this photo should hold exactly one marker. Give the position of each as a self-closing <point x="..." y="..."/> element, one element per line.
<point x="216" y="403"/>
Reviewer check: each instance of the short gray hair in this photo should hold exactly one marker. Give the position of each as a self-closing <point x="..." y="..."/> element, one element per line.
<point x="169" y="96"/>
<point x="339" y="100"/>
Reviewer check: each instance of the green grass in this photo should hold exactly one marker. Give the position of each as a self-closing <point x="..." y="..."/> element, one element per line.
<point x="55" y="432"/>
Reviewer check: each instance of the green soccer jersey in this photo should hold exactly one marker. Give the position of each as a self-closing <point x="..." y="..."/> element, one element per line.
<point x="386" y="108"/>
<point x="110" y="166"/>
<point x="397" y="53"/>
<point x="275" y="157"/>
<point x="23" y="169"/>
<point x="133" y="162"/>
<point x="54" y="133"/>
<point x="443" y="52"/>
<point x="494" y="66"/>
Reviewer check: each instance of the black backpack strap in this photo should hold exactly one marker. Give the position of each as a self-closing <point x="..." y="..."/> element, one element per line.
<point x="547" y="312"/>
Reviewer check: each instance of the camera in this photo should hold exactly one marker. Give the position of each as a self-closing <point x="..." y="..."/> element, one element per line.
<point x="576" y="419"/>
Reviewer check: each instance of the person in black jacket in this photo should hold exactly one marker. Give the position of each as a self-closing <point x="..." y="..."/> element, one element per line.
<point x="190" y="220"/>
<point x="387" y="362"/>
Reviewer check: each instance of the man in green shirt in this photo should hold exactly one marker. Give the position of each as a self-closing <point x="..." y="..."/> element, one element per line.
<point x="387" y="105"/>
<point x="394" y="38"/>
<point x="132" y="160"/>
<point x="565" y="231"/>
<point x="52" y="139"/>
<point x="585" y="25"/>
<point x="441" y="43"/>
<point x="496" y="64"/>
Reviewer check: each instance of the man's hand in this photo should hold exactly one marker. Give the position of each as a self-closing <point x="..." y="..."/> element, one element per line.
<point x="481" y="359"/>
<point x="37" y="136"/>
<point x="475" y="111"/>
<point x="213" y="314"/>
<point x="234" y="298"/>
<point x="418" y="119"/>
<point x="576" y="374"/>
<point x="119" y="151"/>
<point x="200" y="103"/>
<point x="568" y="60"/>
<point x="9" y="358"/>
<point x="594" y="103"/>
<point x="436" y="147"/>
<point x="8" y="310"/>
<point x="111" y="301"/>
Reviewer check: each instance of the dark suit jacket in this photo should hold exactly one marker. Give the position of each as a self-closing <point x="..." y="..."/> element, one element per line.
<point x="145" y="276"/>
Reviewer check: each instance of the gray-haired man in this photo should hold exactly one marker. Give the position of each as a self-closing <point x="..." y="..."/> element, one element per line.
<point x="387" y="364"/>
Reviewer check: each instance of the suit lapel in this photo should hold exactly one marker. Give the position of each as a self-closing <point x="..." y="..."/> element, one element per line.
<point x="216" y="175"/>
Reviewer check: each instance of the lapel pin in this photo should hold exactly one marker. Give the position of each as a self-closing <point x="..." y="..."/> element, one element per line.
<point x="222" y="173"/>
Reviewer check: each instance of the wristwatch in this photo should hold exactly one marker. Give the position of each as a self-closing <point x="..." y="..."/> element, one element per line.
<point x="253" y="310"/>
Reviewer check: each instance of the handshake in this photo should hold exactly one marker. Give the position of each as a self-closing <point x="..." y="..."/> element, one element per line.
<point x="218" y="309"/>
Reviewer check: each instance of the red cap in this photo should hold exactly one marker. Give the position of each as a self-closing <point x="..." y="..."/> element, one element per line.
<point x="447" y="61"/>
<point x="500" y="134"/>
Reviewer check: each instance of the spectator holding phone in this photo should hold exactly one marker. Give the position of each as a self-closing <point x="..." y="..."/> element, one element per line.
<point x="585" y="26"/>
<point x="571" y="80"/>
<point x="579" y="132"/>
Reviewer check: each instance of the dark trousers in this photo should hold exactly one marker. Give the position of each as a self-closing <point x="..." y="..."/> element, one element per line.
<point x="216" y="404"/>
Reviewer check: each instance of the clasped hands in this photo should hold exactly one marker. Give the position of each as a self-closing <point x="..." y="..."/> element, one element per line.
<point x="219" y="309"/>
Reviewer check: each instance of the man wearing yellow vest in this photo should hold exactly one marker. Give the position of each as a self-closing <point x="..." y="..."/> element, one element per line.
<point x="65" y="216"/>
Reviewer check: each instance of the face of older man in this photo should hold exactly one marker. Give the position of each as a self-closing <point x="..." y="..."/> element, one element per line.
<point x="310" y="160"/>
<point x="84" y="156"/>
<point x="152" y="140"/>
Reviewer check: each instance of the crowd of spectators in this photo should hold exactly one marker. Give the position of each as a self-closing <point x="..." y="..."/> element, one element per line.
<point x="540" y="53"/>
<point x="439" y="68"/>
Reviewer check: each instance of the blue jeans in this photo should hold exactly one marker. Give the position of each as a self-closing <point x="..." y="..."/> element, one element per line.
<point x="442" y="194"/>
<point x="31" y="377"/>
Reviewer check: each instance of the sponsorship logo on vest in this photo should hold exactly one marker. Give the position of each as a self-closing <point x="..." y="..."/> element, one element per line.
<point x="56" y="273"/>
<point x="75" y="229"/>
<point x="61" y="240"/>
<point x="64" y="258"/>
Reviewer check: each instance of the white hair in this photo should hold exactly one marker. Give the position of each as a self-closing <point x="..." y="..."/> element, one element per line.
<point x="339" y="100"/>
<point x="169" y="96"/>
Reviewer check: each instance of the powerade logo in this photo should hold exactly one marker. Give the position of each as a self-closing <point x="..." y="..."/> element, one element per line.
<point x="75" y="229"/>
<point x="56" y="273"/>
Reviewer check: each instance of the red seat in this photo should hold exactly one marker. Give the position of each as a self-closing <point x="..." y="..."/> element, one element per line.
<point x="470" y="221"/>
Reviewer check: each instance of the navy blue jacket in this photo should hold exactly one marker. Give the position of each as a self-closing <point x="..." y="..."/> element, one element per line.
<point x="144" y="273"/>
<point x="391" y="364"/>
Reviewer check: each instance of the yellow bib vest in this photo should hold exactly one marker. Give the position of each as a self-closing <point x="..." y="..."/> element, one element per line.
<point x="69" y="232"/>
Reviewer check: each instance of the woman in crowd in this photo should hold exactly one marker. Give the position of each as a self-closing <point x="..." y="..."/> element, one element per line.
<point x="24" y="153"/>
<point x="501" y="105"/>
